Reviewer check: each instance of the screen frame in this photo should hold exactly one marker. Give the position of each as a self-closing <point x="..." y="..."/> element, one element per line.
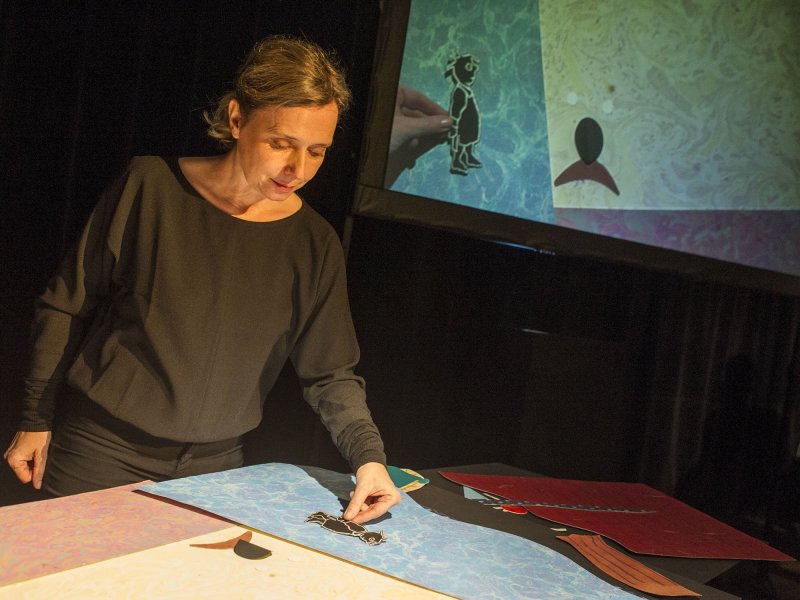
<point x="372" y="199"/>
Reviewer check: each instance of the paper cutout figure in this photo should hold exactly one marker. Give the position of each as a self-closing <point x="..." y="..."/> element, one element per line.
<point x="345" y="527"/>
<point x="500" y="501"/>
<point x="246" y="536"/>
<point x="589" y="144"/>
<point x="241" y="546"/>
<point x="466" y="130"/>
<point x="250" y="551"/>
<point x="623" y="568"/>
<point x="406" y="479"/>
<point x="669" y="528"/>
<point x="493" y="501"/>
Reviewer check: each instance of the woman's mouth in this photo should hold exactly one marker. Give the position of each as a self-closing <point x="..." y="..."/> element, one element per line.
<point x="283" y="187"/>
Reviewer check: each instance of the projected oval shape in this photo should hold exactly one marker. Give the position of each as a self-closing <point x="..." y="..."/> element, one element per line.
<point x="588" y="140"/>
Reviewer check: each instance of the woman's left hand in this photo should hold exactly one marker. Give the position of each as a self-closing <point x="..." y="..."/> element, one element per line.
<point x="374" y="494"/>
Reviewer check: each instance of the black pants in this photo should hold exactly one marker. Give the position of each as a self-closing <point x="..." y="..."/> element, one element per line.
<point x="92" y="450"/>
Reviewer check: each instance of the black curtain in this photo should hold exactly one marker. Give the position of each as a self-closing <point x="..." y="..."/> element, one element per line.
<point x="720" y="400"/>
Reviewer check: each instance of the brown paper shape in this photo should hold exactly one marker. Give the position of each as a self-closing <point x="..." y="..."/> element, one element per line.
<point x="623" y="568"/>
<point x="246" y="536"/>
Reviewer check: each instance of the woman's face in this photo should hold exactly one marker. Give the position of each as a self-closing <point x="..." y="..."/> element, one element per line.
<point x="280" y="149"/>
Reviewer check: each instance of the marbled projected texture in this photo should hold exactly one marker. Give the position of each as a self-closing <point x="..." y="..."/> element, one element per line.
<point x="425" y="548"/>
<point x="699" y="106"/>
<point x="504" y="38"/>
<point x="699" y="101"/>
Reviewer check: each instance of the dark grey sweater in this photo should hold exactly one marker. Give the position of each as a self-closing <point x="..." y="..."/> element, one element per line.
<point x="177" y="318"/>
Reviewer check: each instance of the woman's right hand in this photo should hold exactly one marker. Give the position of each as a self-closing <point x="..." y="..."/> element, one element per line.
<point x="27" y="456"/>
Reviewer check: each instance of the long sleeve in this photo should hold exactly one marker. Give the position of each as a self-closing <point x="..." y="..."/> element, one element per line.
<point x="63" y="312"/>
<point x="325" y="357"/>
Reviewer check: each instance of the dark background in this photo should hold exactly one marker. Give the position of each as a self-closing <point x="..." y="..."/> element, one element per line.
<point x="472" y="351"/>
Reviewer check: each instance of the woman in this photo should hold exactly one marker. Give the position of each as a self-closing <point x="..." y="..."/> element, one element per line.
<point x="193" y="282"/>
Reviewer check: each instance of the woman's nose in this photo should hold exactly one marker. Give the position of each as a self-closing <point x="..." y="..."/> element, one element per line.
<point x="296" y="163"/>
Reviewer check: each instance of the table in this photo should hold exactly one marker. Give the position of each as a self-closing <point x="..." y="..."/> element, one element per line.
<point x="173" y="568"/>
<point x="180" y="571"/>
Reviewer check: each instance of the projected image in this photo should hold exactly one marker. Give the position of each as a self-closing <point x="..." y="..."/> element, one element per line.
<point x="465" y="132"/>
<point x="671" y="124"/>
<point x="699" y="106"/>
<point x="479" y="63"/>
<point x="589" y="145"/>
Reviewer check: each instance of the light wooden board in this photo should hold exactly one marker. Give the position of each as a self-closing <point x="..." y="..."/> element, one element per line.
<point x="180" y="571"/>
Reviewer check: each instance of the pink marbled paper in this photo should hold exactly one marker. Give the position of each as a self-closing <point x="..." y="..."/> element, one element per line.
<point x="39" y="538"/>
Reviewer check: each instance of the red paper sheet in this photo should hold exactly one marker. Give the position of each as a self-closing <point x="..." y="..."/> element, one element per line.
<point x="671" y="529"/>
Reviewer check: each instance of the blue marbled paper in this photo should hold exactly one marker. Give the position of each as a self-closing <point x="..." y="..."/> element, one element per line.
<point x="423" y="547"/>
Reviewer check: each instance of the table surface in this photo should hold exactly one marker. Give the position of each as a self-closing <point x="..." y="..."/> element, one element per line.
<point x="180" y="570"/>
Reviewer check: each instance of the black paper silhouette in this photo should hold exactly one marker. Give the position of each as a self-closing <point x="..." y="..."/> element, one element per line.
<point x="345" y="527"/>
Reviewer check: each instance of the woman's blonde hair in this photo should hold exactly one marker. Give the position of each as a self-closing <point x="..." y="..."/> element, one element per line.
<point x="281" y="71"/>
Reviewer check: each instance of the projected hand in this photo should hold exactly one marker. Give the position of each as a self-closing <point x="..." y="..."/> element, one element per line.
<point x="419" y="124"/>
<point x="417" y="116"/>
<point x="27" y="456"/>
<point x="375" y="494"/>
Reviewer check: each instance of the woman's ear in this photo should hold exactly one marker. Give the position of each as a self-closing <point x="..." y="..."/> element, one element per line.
<point x="235" y="117"/>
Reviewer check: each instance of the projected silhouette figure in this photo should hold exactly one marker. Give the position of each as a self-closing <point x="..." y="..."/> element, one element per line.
<point x="466" y="130"/>
<point x="589" y="144"/>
